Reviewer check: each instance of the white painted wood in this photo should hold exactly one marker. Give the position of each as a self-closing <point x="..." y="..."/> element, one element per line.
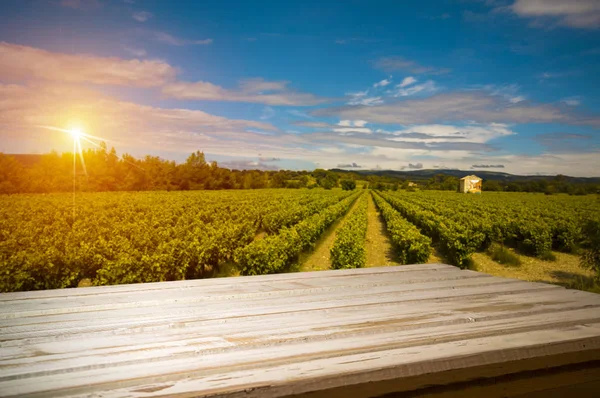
<point x="284" y="334"/>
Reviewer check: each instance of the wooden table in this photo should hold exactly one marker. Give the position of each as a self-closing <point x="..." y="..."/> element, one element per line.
<point x="423" y="330"/>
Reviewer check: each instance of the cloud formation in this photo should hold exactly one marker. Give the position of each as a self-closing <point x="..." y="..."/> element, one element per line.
<point x="171" y="40"/>
<point x="121" y="123"/>
<point x="362" y="98"/>
<point x="390" y="64"/>
<point x="510" y="92"/>
<point x="26" y="63"/>
<point x="269" y="159"/>
<point x="404" y="91"/>
<point x="382" y="83"/>
<point x="407" y="81"/>
<point x="572" y="101"/>
<point x="136" y="52"/>
<point x="251" y="90"/>
<point x="576" y="13"/>
<point x="352" y="165"/>
<point x="487" y="166"/>
<point x="415" y="166"/>
<point x="141" y="16"/>
<point x="457" y="107"/>
<point x="248" y="165"/>
<point x="561" y="142"/>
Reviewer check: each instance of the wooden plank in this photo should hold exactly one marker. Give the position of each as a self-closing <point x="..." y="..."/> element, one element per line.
<point x="182" y="312"/>
<point x="289" y="334"/>
<point x="225" y="282"/>
<point x="188" y="376"/>
<point x="46" y="306"/>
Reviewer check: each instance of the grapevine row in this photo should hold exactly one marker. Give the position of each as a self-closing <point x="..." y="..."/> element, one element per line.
<point x="136" y="237"/>
<point x="276" y="253"/>
<point x="457" y="242"/>
<point x="348" y="249"/>
<point x="412" y="246"/>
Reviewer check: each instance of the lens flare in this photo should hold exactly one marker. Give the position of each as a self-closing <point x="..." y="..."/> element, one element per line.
<point x="76" y="133"/>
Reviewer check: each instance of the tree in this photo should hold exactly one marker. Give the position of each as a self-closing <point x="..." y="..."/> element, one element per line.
<point x="326" y="179"/>
<point x="10" y="174"/>
<point x="327" y="183"/>
<point x="348" y="185"/>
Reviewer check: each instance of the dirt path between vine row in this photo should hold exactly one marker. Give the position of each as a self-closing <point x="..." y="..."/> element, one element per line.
<point x="380" y="250"/>
<point x="319" y="259"/>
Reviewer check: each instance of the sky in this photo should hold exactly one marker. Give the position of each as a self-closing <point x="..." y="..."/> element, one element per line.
<point x="499" y="85"/>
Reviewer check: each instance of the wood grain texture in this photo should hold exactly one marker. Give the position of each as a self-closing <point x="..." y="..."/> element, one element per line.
<point x="363" y="332"/>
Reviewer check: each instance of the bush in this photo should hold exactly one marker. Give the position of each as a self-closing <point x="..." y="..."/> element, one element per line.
<point x="348" y="185"/>
<point x="590" y="256"/>
<point x="548" y="256"/>
<point x="502" y="255"/>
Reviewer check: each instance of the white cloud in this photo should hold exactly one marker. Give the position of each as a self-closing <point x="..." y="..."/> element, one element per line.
<point x="23" y="62"/>
<point x="574" y="13"/>
<point x="298" y="113"/>
<point x="572" y="101"/>
<point x="120" y="123"/>
<point x="407" y="81"/>
<point x="399" y="63"/>
<point x="549" y="75"/>
<point x="427" y="87"/>
<point x="459" y="106"/>
<point x="175" y="41"/>
<point x="352" y="126"/>
<point x="360" y="98"/>
<point x="137" y="52"/>
<point x="510" y="92"/>
<point x="141" y="16"/>
<point x="364" y="130"/>
<point x="473" y="132"/>
<point x="267" y="113"/>
<point x="202" y="42"/>
<point x="382" y="83"/>
<point x="355" y="123"/>
<point x="251" y="90"/>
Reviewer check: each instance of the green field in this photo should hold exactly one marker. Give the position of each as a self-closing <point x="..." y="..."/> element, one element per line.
<point x="113" y="238"/>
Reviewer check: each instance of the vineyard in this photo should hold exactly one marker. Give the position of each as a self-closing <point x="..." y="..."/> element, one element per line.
<point x="115" y="238"/>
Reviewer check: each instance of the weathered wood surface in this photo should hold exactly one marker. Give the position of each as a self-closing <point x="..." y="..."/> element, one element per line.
<point x="363" y="332"/>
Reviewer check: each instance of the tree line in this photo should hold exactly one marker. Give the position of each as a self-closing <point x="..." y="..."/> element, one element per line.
<point x="106" y="171"/>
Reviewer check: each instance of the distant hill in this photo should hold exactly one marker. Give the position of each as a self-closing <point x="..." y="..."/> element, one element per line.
<point x="425" y="174"/>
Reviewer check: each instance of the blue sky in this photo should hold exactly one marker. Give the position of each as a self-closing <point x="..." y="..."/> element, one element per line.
<point x="504" y="85"/>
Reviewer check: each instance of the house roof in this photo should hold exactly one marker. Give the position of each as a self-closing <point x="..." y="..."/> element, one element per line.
<point x="470" y="177"/>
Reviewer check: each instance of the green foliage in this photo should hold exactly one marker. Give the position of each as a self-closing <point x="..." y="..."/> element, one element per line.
<point x="276" y="253"/>
<point x="462" y="224"/>
<point x="348" y="249"/>
<point x="158" y="236"/>
<point x="590" y="256"/>
<point x="348" y="185"/>
<point x="412" y="247"/>
<point x="501" y="255"/>
<point x="138" y="237"/>
<point x="457" y="241"/>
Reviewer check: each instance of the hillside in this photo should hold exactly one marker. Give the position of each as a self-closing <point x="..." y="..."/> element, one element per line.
<point x="417" y="175"/>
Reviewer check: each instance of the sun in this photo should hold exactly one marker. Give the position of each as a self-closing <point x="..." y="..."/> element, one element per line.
<point x="76" y="133"/>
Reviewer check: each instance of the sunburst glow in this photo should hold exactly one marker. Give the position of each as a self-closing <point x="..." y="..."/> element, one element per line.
<point x="76" y="133"/>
